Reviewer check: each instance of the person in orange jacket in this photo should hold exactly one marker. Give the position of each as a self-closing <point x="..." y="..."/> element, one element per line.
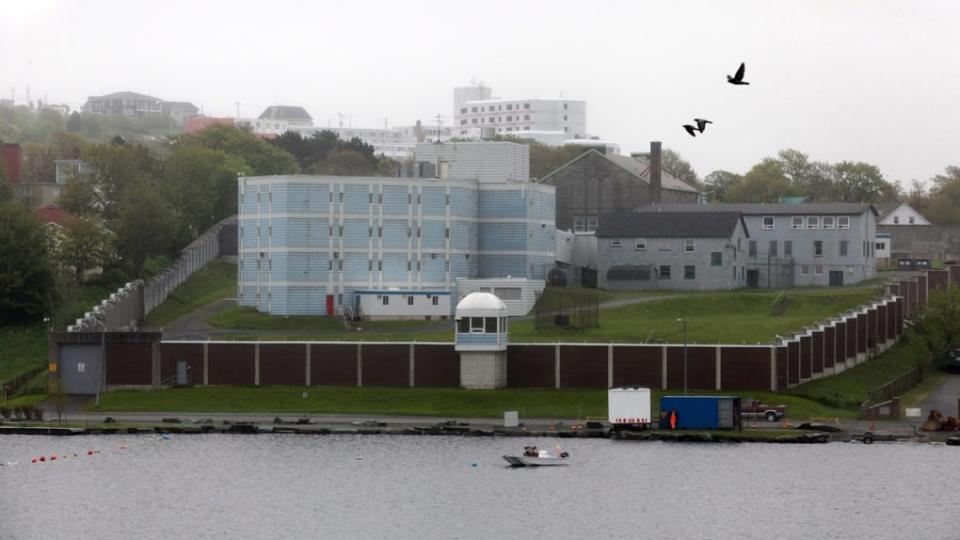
<point x="673" y="419"/>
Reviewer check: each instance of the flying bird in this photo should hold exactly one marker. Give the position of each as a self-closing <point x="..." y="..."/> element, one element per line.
<point x="738" y="77"/>
<point x="701" y="124"/>
<point x="690" y="129"/>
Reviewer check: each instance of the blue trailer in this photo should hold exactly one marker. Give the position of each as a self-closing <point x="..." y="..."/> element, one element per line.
<point x="703" y="412"/>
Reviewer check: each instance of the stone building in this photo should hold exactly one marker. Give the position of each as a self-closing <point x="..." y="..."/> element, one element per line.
<point x="671" y="250"/>
<point x="799" y="245"/>
<point x="595" y="183"/>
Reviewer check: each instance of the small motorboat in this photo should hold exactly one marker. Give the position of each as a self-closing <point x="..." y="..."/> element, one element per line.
<point x="532" y="457"/>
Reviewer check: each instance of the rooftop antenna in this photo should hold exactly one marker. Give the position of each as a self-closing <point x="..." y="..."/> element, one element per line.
<point x="385" y="124"/>
<point x="439" y="118"/>
<point x="340" y="116"/>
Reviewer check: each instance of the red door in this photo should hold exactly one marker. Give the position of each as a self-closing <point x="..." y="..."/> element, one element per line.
<point x="329" y="304"/>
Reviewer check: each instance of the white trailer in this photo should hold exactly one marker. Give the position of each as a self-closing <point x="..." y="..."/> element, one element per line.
<point x="628" y="408"/>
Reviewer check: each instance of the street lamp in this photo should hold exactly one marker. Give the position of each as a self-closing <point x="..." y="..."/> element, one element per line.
<point x="684" y="323"/>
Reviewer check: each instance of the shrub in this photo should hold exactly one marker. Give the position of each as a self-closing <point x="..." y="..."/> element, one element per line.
<point x="5" y="413"/>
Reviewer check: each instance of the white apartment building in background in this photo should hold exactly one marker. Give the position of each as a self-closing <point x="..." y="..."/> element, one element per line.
<point x="396" y="142"/>
<point x="477" y="114"/>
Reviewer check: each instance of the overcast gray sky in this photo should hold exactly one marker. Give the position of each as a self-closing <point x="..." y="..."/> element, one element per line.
<point x="875" y="81"/>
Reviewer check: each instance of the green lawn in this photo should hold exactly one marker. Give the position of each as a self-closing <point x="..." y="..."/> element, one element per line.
<point x="21" y="348"/>
<point x="727" y="317"/>
<point x="215" y="281"/>
<point x="453" y="402"/>
<point x="851" y="387"/>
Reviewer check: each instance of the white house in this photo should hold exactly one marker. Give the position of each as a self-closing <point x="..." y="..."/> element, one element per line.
<point x="899" y="213"/>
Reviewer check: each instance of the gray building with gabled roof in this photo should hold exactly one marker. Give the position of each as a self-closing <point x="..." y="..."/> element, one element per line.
<point x="594" y="183"/>
<point x="671" y="250"/>
<point x="797" y="245"/>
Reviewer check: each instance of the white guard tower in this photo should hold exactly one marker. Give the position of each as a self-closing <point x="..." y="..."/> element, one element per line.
<point x="481" y="320"/>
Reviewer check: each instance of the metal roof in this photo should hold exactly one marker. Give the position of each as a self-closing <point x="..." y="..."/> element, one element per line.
<point x="767" y="209"/>
<point x="636" y="166"/>
<point x="631" y="224"/>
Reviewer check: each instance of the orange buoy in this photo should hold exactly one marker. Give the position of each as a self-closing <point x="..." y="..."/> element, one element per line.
<point x="89" y="452"/>
<point x="42" y="459"/>
<point x="53" y="457"/>
<point x="34" y="460"/>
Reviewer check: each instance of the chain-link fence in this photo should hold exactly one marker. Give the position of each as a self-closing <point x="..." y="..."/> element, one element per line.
<point x="560" y="307"/>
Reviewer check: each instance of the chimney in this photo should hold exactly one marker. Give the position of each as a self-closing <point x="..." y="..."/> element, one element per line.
<point x="655" y="168"/>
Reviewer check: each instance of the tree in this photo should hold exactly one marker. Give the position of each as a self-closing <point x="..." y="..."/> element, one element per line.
<point x="680" y="168"/>
<point x="765" y="183"/>
<point x="940" y="325"/>
<point x="85" y="244"/>
<point x="202" y="184"/>
<point x="38" y="165"/>
<point x="717" y="185"/>
<point x="860" y="182"/>
<point x="812" y="180"/>
<point x="546" y="159"/>
<point x="6" y="191"/>
<point x="261" y="157"/>
<point x="344" y="163"/>
<point x="116" y="166"/>
<point x="314" y="154"/>
<point x="942" y="205"/>
<point x="74" y="123"/>
<point x="146" y="225"/>
<point x="81" y="197"/>
<point x="26" y="273"/>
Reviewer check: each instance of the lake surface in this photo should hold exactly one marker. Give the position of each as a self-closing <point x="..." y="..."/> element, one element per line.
<point x="299" y="486"/>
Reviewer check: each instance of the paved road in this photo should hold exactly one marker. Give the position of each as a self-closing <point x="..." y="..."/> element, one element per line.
<point x="944" y="398"/>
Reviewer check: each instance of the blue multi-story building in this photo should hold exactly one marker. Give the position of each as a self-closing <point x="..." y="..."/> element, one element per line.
<point x="307" y="243"/>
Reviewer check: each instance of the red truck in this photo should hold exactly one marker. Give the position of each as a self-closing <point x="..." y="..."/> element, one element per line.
<point x="752" y="408"/>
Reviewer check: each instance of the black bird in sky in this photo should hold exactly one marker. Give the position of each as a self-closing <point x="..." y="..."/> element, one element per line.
<point x="701" y="124"/>
<point x="738" y="78"/>
<point x="690" y="129"/>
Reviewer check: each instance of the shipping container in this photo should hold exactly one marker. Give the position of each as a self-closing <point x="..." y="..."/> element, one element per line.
<point x="703" y="412"/>
<point x="628" y="408"/>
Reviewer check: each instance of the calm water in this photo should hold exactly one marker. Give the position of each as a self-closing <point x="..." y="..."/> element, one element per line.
<point x="290" y="486"/>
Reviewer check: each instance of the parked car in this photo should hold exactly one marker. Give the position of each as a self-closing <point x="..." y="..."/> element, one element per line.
<point x="753" y="408"/>
<point x="952" y="361"/>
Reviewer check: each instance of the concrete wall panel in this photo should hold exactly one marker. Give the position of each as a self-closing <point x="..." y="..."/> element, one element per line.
<point x="701" y="367"/>
<point x="191" y="353"/>
<point x="806" y="364"/>
<point x="129" y="363"/>
<point x="816" y="357"/>
<point x="781" y="359"/>
<point x="638" y="366"/>
<point x="386" y="365"/>
<point x="231" y="364"/>
<point x="436" y="366"/>
<point x="745" y="368"/>
<point x="531" y="366"/>
<point x="829" y="346"/>
<point x="333" y="365"/>
<point x="793" y="362"/>
<point x="283" y="364"/>
<point x="583" y="366"/>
